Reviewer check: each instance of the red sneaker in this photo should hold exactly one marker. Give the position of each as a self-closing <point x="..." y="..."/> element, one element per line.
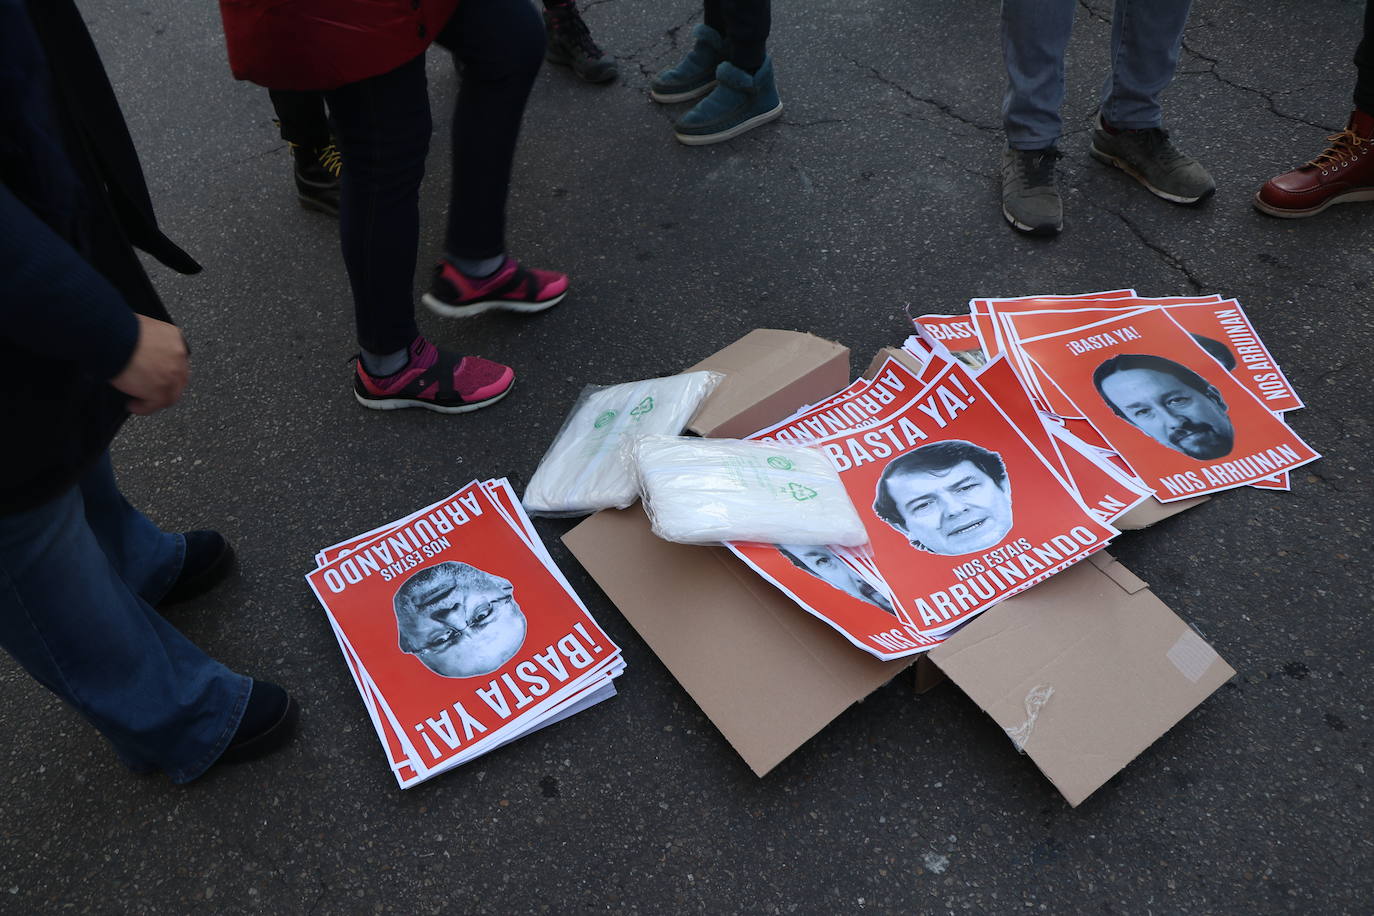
<point x="436" y="380"/>
<point x="512" y="288"/>
<point x="1343" y="174"/>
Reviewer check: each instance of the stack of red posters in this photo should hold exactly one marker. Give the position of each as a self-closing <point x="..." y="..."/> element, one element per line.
<point x="460" y="631"/>
<point x="963" y="491"/>
<point x="1178" y="393"/>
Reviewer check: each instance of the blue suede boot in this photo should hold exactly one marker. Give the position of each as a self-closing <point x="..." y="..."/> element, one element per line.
<point x="739" y="102"/>
<point x="695" y="74"/>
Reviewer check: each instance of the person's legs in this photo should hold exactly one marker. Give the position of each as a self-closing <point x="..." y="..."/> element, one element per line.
<point x="301" y="117"/>
<point x="745" y="94"/>
<point x="1035" y="36"/>
<point x="499" y="46"/>
<point x="383" y="125"/>
<point x="147" y="558"/>
<point x="1344" y="172"/>
<point x="746" y="27"/>
<point x="78" y="628"/>
<point x="1147" y="36"/>
<point x="315" y="161"/>
<point x="570" y="43"/>
<point x="1364" y="63"/>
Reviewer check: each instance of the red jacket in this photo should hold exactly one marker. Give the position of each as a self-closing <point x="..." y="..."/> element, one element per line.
<point x="324" y="44"/>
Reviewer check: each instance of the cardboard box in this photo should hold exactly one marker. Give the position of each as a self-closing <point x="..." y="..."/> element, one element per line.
<point x="768" y="374"/>
<point x="1084" y="671"/>
<point x="767" y="674"/>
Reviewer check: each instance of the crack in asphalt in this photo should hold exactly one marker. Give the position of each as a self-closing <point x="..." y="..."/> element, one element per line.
<point x="1212" y="69"/>
<point x="943" y="107"/>
<point x="1164" y="254"/>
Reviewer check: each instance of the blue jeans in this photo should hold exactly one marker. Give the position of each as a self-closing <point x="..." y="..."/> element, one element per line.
<point x="78" y="577"/>
<point x="1146" y="38"/>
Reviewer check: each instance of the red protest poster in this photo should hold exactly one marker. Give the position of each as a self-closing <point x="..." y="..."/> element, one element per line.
<point x="1000" y="383"/>
<point x="957" y="334"/>
<point x="826" y="586"/>
<point x="1224" y="330"/>
<point x="1181" y="421"/>
<point x="984" y="313"/>
<point x="461" y="629"/>
<point x="1103" y="488"/>
<point x="1219" y="326"/>
<point x="862" y="403"/>
<point x="961" y="511"/>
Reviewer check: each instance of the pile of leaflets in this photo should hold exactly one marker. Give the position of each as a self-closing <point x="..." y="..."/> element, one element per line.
<point x="460" y="631"/>
<point x="1030" y="426"/>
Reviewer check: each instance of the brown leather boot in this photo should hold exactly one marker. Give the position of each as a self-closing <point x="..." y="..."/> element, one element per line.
<point x="1343" y="174"/>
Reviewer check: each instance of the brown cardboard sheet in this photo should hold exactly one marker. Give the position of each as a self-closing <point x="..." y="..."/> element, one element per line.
<point x="1084" y="671"/>
<point x="768" y="675"/>
<point x="769" y="373"/>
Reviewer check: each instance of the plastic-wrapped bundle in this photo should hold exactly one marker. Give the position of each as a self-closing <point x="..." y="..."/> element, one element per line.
<point x="586" y="469"/>
<point x="701" y="491"/>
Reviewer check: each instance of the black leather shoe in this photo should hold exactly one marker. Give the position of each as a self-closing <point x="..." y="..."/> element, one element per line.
<point x="209" y="559"/>
<point x="268" y="724"/>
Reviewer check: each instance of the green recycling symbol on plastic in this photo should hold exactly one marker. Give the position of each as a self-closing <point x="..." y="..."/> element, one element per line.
<point x="782" y="464"/>
<point x="801" y="493"/>
<point x="605" y="418"/>
<point x="643" y="407"/>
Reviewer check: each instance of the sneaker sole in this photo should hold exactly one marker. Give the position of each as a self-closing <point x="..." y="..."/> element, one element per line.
<point x="1028" y="229"/>
<point x="1126" y="167"/>
<point x="472" y="309"/>
<point x="1350" y="197"/>
<point x="668" y="98"/>
<point x="730" y="133"/>
<point x="402" y="403"/>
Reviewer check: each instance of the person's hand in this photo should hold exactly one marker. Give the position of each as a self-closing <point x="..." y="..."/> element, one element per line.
<point x="159" y="369"/>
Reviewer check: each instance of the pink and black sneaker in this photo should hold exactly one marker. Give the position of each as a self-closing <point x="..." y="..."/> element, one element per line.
<point x="512" y="288"/>
<point x="436" y="380"/>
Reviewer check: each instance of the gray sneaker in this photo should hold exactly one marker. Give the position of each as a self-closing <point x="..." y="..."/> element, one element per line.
<point x="1151" y="158"/>
<point x="1030" y="201"/>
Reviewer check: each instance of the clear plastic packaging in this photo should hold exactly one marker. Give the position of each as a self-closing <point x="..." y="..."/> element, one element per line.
<point x="702" y="491"/>
<point x="586" y="468"/>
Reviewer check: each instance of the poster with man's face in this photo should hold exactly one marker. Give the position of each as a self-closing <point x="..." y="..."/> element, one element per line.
<point x="960" y="509"/>
<point x="400" y="753"/>
<point x="1220" y="326"/>
<point x="460" y="627"/>
<point x="827" y="584"/>
<point x="1176" y="415"/>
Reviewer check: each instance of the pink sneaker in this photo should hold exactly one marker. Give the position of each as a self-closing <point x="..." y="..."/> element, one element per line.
<point x="512" y="288"/>
<point x="436" y="380"/>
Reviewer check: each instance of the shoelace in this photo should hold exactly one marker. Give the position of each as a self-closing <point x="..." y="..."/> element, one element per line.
<point x="1156" y="142"/>
<point x="1344" y="146"/>
<point x="1038" y="165"/>
<point x="330" y="159"/>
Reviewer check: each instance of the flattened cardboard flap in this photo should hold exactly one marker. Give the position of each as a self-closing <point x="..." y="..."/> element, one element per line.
<point x="1083" y="671"/>
<point x="768" y="374"/>
<point x="767" y="674"/>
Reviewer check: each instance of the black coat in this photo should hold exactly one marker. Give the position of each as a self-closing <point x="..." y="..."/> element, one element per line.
<point x="73" y="204"/>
